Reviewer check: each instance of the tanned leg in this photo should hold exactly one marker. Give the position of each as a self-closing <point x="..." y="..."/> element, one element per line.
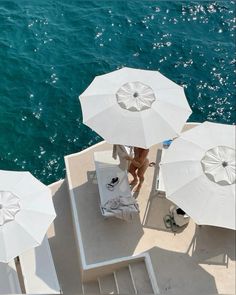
<point x="133" y="171"/>
<point x="141" y="171"/>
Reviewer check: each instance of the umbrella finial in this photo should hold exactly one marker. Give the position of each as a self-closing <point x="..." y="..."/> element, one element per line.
<point x="225" y="164"/>
<point x="135" y="94"/>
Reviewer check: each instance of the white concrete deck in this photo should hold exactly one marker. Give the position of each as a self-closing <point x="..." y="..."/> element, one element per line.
<point x="196" y="260"/>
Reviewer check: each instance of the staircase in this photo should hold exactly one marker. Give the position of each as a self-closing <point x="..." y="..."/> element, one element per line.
<point x="132" y="279"/>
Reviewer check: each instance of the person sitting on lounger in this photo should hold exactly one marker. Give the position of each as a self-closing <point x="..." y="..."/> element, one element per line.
<point x="138" y="166"/>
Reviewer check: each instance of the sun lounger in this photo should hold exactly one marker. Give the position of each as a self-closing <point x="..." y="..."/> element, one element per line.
<point x="106" y="169"/>
<point x="39" y="271"/>
<point x="160" y="187"/>
<point x="9" y="283"/>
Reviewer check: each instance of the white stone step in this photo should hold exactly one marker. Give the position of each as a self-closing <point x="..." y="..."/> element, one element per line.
<point x="124" y="281"/>
<point x="91" y="287"/>
<point x="140" y="277"/>
<point x="107" y="284"/>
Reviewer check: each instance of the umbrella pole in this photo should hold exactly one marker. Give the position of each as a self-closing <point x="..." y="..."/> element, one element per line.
<point x="20" y="274"/>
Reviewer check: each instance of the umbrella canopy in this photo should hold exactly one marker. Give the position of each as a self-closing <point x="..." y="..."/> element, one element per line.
<point x="26" y="211"/>
<point x="135" y="107"/>
<point x="199" y="174"/>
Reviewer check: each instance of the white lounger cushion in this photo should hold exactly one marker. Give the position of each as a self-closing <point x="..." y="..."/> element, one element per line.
<point x="9" y="283"/>
<point x="39" y="271"/>
<point x="160" y="187"/>
<point x="106" y="169"/>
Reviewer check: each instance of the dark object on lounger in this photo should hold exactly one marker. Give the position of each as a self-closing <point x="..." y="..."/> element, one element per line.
<point x="113" y="183"/>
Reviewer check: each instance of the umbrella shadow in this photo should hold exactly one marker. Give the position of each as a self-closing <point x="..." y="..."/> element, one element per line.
<point x="212" y="245"/>
<point x="158" y="206"/>
<point x="41" y="272"/>
<point x="179" y="274"/>
<point x="63" y="244"/>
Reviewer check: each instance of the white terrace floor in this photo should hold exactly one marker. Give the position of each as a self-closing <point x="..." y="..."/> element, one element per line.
<point x="197" y="260"/>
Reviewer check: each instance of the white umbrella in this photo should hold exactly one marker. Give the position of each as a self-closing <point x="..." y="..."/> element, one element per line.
<point x="199" y="174"/>
<point x="135" y="107"/>
<point x="26" y="211"/>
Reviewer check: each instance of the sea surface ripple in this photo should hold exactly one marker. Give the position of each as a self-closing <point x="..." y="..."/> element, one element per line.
<point x="50" y="51"/>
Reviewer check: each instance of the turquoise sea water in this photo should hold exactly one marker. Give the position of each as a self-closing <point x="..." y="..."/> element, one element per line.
<point x="51" y="50"/>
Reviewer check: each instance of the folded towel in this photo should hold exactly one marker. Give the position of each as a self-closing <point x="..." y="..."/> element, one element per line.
<point x="122" y="207"/>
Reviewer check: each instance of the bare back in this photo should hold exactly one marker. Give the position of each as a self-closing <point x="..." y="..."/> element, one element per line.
<point x="138" y="166"/>
<point x="140" y="155"/>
